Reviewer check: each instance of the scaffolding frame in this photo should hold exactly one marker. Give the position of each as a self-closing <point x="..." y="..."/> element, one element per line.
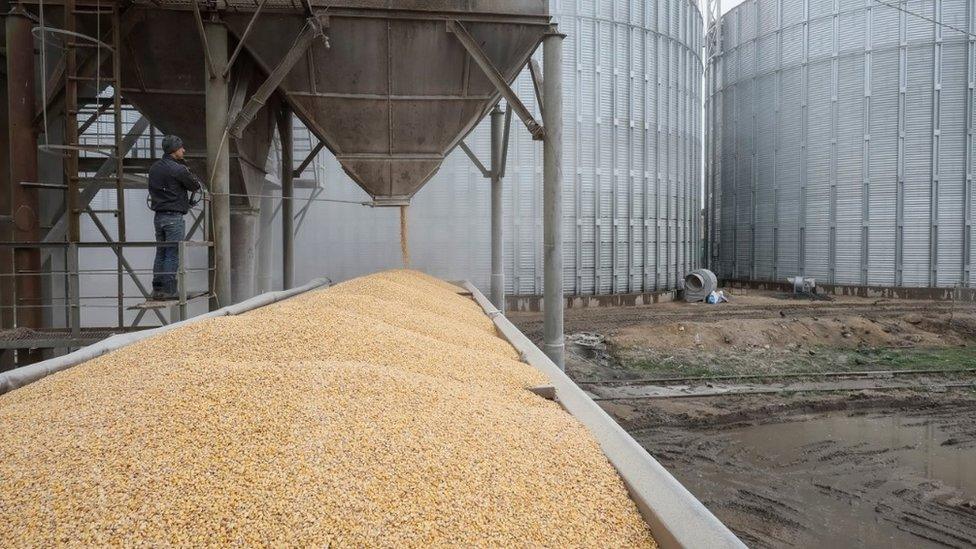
<point x="90" y="165"/>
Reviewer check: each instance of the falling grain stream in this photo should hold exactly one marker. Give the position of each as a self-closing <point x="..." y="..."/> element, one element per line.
<point x="404" y="248"/>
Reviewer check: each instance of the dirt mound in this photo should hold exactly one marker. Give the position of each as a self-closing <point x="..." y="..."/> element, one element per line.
<point x="783" y="332"/>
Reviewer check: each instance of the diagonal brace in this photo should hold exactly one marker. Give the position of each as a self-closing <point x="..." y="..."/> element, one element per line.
<point x="536" y="72"/>
<point x="211" y="69"/>
<point x="474" y="159"/>
<point x="308" y="159"/>
<point x="471" y="45"/>
<point x="57" y="231"/>
<point x="311" y="31"/>
<point x="125" y="263"/>
<point x="240" y="43"/>
<point x="197" y="223"/>
<point x="508" y="128"/>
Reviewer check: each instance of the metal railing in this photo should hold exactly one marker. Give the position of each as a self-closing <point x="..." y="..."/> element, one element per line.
<point x="73" y="302"/>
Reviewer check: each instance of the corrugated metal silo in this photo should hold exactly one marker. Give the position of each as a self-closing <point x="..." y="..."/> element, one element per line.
<point x="631" y="166"/>
<point x="840" y="140"/>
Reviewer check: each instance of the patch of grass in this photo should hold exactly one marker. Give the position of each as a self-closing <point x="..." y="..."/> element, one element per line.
<point x="690" y="363"/>
<point x="671" y="365"/>
<point x="944" y="358"/>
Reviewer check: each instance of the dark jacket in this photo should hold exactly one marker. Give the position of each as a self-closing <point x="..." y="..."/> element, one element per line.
<point x="170" y="183"/>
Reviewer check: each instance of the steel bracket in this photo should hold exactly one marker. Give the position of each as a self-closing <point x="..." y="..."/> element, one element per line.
<point x="508" y="128"/>
<point x="474" y="159"/>
<point x="536" y="73"/>
<point x="313" y="29"/>
<point x="308" y="159"/>
<point x="471" y="45"/>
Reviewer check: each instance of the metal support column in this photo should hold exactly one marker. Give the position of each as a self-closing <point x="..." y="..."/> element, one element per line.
<point x="243" y="223"/>
<point x="218" y="161"/>
<point x="74" y="290"/>
<point x="265" y="234"/>
<point x="23" y="167"/>
<point x="181" y="279"/>
<point x="497" y="242"/>
<point x="6" y="225"/>
<point x="287" y="193"/>
<point x="552" y="208"/>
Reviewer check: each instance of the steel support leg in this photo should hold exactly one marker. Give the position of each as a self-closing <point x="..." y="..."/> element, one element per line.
<point x="181" y="278"/>
<point x="74" y="290"/>
<point x="287" y="195"/>
<point x="24" y="205"/>
<point x="497" y="243"/>
<point x="218" y="161"/>
<point x="265" y="234"/>
<point x="6" y="225"/>
<point x="552" y="214"/>
<point x="244" y="246"/>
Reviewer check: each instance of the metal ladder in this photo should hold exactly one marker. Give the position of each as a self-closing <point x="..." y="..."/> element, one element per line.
<point x="76" y="43"/>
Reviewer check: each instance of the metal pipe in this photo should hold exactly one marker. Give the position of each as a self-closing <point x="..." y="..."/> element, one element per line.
<point x="552" y="207"/>
<point x="218" y="161"/>
<point x="74" y="290"/>
<point x="508" y="134"/>
<point x="287" y="194"/>
<point x="71" y="135"/>
<point x="20" y="377"/>
<point x="243" y="223"/>
<point x="497" y="243"/>
<point x="6" y="222"/>
<point x="119" y="155"/>
<point x="675" y="516"/>
<point x="24" y="204"/>
<point x="181" y="278"/>
<point x="265" y="234"/>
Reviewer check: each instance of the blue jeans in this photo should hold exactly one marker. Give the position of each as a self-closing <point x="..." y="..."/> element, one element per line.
<point x="170" y="227"/>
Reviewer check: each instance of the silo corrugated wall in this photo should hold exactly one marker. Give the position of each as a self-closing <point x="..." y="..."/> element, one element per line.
<point x="631" y="174"/>
<point x="840" y="142"/>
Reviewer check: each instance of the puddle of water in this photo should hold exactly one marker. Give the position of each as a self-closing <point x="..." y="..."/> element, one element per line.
<point x="831" y="479"/>
<point x="909" y="442"/>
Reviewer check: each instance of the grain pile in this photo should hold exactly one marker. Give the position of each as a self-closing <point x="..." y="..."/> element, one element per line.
<point x="379" y="412"/>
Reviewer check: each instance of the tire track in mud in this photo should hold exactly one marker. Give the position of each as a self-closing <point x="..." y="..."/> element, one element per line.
<point x="824" y="491"/>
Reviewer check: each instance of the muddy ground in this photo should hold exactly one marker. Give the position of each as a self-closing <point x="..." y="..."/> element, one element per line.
<point x="798" y="423"/>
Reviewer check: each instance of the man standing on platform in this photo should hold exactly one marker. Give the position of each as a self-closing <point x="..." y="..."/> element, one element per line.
<point x="170" y="187"/>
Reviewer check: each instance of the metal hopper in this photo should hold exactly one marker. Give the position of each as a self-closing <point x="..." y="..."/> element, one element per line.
<point x="163" y="76"/>
<point x="390" y="87"/>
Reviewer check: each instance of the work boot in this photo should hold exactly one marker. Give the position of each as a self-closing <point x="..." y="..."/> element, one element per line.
<point x="157" y="295"/>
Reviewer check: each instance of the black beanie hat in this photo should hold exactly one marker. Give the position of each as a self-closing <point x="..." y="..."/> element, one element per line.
<point x="171" y="143"/>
